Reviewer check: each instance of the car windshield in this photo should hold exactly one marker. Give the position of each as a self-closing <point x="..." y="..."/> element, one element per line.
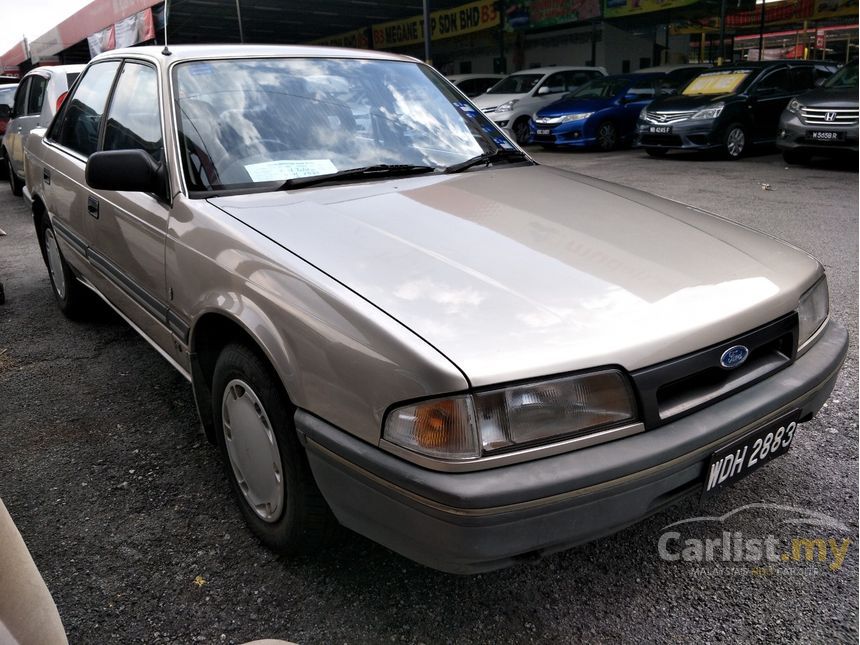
<point x="256" y="123"/>
<point x="7" y="95"/>
<point x="516" y="84"/>
<point x="601" y="88"/>
<point x="845" y="77"/>
<point x="723" y="82"/>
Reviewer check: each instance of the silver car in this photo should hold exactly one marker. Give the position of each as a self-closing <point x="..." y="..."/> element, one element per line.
<point x="36" y="100"/>
<point x="394" y="319"/>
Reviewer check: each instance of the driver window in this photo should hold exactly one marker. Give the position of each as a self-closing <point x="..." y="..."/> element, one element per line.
<point x="554" y="83"/>
<point x="776" y="82"/>
<point x="134" y="121"/>
<point x="643" y="89"/>
<point x="21" y="98"/>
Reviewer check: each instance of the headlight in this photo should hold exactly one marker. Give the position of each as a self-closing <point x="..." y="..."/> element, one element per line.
<point x="710" y="113"/>
<point x="813" y="310"/>
<point x="471" y="425"/>
<point x="507" y="106"/>
<point x="579" y="116"/>
<point x="795" y="106"/>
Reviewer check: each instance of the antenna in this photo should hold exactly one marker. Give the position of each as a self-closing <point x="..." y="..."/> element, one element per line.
<point x="166" y="51"/>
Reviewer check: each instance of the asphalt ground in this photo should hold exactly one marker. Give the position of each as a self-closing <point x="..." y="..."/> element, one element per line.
<point x="128" y="515"/>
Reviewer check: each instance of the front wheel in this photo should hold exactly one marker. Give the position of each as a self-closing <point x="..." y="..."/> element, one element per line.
<point x="521" y="131"/>
<point x="266" y="465"/>
<point x="734" y="142"/>
<point x="607" y="136"/>
<point x="15" y="184"/>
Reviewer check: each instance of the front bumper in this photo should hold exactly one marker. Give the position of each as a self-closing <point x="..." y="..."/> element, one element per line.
<point x="705" y="134"/>
<point x="793" y="134"/>
<point x="576" y="134"/>
<point x="483" y="520"/>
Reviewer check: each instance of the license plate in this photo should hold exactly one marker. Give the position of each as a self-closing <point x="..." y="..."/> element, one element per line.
<point x="750" y="452"/>
<point x="821" y="135"/>
<point x="544" y="131"/>
<point x="660" y="129"/>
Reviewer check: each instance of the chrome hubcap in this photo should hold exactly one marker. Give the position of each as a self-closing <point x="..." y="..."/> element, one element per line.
<point x="253" y="450"/>
<point x="55" y="263"/>
<point x="735" y="142"/>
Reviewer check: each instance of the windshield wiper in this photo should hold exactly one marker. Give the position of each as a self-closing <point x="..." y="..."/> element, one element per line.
<point x="499" y="154"/>
<point x="365" y="172"/>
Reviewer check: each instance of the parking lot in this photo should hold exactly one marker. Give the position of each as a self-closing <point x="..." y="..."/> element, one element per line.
<point x="129" y="517"/>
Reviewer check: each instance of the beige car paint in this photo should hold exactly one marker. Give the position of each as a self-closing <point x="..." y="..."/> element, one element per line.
<point x="366" y="295"/>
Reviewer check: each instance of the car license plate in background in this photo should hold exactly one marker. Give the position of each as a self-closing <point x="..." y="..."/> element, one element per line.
<point x="660" y="129"/>
<point x="819" y="135"/>
<point x="543" y="131"/>
<point x="750" y="452"/>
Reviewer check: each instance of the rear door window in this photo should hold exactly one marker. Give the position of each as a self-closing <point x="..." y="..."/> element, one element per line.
<point x="803" y="78"/>
<point x="36" y="98"/>
<point x="21" y="98"/>
<point x="82" y="112"/>
<point x="777" y="82"/>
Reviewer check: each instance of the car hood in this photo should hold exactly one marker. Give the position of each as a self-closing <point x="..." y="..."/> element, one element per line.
<point x="485" y="101"/>
<point x="571" y="106"/>
<point x="840" y="97"/>
<point x="681" y="103"/>
<point x="519" y="272"/>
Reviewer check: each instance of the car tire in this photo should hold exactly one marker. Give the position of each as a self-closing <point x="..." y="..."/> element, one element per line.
<point x="521" y="130"/>
<point x="607" y="136"/>
<point x="796" y="156"/>
<point x="72" y="297"/>
<point x="16" y="184"/>
<point x="656" y="152"/>
<point x="265" y="464"/>
<point x="734" y="142"/>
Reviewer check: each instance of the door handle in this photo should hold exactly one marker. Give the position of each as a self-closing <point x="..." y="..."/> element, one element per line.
<point x="93" y="206"/>
<point x="46" y="176"/>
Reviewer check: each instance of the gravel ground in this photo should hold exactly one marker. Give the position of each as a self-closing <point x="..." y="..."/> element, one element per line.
<point x="128" y="515"/>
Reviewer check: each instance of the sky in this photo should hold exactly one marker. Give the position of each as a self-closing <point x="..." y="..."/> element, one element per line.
<point x="32" y="18"/>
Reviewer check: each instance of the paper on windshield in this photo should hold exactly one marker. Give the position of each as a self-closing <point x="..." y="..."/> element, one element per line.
<point x="717" y="83"/>
<point x="284" y="169"/>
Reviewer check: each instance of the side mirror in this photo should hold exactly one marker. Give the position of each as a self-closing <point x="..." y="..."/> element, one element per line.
<point x="5" y="112"/>
<point x="820" y="81"/>
<point x="766" y="91"/>
<point x="543" y="90"/>
<point x="128" y="170"/>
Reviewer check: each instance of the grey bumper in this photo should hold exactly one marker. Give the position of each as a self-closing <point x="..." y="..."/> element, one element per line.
<point x="479" y="521"/>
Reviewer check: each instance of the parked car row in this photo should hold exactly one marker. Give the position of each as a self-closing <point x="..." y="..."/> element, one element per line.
<point x="799" y="105"/>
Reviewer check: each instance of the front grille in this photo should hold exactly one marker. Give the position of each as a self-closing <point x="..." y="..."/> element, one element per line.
<point x="829" y="116"/>
<point x="680" y="386"/>
<point x="665" y="118"/>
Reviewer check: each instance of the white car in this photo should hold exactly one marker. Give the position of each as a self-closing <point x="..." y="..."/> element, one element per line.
<point x="474" y="84"/>
<point x="511" y="102"/>
<point x="37" y="99"/>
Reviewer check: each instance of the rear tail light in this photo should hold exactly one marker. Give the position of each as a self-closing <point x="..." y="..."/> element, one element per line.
<point x="61" y="99"/>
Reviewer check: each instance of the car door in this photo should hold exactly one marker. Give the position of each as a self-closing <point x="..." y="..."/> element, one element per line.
<point x="551" y="89"/>
<point x="70" y="140"/>
<point x="768" y="97"/>
<point x="129" y="228"/>
<point x="12" y="140"/>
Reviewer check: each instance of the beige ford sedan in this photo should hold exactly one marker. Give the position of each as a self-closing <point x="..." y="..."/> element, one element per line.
<point x="394" y="319"/>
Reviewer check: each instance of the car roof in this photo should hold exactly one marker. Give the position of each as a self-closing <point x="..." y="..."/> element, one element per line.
<point x="465" y="77"/>
<point x="196" y="52"/>
<point x="672" y="68"/>
<point x="54" y="69"/>
<point x="556" y="68"/>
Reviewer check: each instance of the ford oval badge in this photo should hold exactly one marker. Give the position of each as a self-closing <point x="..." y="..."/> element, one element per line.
<point x="734" y="356"/>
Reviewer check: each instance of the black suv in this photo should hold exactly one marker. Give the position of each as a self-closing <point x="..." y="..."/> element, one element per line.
<point x="727" y="108"/>
<point x="823" y="121"/>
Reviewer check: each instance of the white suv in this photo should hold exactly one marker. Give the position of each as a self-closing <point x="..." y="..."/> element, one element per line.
<point x="511" y="102"/>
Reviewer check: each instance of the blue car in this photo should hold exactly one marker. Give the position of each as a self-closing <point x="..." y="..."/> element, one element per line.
<point x="601" y="114"/>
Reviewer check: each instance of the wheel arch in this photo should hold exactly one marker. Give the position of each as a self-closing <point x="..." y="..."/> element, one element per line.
<point x="211" y="332"/>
